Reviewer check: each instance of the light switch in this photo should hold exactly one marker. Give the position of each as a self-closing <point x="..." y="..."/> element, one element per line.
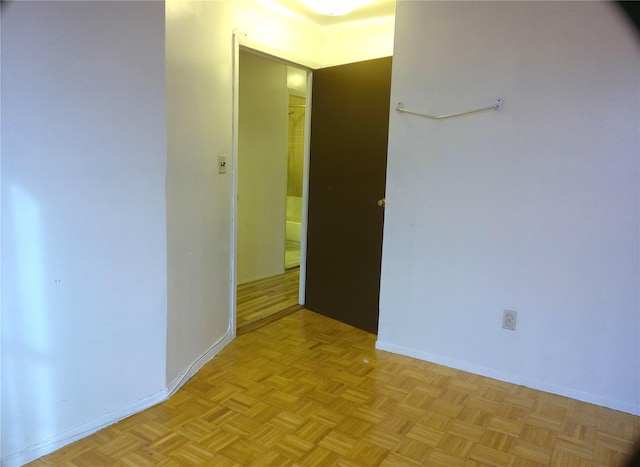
<point x="222" y="164"/>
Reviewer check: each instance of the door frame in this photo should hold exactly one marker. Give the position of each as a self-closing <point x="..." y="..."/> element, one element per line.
<point x="242" y="42"/>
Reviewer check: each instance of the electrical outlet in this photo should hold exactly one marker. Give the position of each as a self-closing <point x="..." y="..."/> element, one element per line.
<point x="509" y="320"/>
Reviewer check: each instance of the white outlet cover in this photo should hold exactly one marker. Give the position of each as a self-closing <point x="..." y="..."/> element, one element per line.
<point x="509" y="318"/>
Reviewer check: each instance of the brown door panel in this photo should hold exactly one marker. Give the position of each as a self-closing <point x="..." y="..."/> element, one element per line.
<point x="349" y="135"/>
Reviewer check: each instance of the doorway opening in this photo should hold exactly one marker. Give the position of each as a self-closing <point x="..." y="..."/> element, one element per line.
<point x="270" y="177"/>
<point x="296" y="83"/>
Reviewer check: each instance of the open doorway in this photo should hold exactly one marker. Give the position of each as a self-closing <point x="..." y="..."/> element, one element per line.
<point x="270" y="186"/>
<point x="297" y="88"/>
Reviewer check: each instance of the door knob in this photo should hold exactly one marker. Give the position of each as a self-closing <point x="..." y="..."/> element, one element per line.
<point x="382" y="202"/>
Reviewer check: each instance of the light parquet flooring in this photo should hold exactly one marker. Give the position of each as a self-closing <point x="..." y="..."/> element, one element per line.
<point x="309" y="391"/>
<point x="260" y="299"/>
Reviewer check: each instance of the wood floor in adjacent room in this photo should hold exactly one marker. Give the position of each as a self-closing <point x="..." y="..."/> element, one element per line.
<point x="306" y="390"/>
<point x="261" y="299"/>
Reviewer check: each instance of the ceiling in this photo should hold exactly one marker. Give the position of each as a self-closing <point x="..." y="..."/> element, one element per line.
<point x="374" y="9"/>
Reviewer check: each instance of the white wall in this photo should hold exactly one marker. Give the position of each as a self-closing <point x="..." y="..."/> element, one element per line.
<point x="534" y="209"/>
<point x="199" y="66"/>
<point x="297" y="81"/>
<point x="199" y="114"/>
<point x="262" y="167"/>
<point x="198" y="61"/>
<point x="83" y="219"/>
<point x="357" y="41"/>
<point x="305" y="42"/>
<point x="117" y="270"/>
<point x="274" y="30"/>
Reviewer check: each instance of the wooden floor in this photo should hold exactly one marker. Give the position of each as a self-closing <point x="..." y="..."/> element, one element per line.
<point x="261" y="299"/>
<point x="309" y="391"/>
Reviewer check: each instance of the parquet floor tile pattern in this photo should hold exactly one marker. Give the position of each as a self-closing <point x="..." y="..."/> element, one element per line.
<point x="309" y="391"/>
<point x="260" y="299"/>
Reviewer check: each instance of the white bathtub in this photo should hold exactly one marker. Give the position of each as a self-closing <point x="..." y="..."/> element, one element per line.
<point x="292" y="232"/>
<point x="294" y="218"/>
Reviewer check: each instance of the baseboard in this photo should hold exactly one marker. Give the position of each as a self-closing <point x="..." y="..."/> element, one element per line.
<point x="259" y="277"/>
<point x="509" y="378"/>
<point x="47" y="447"/>
<point x="268" y="320"/>
<point x="202" y="360"/>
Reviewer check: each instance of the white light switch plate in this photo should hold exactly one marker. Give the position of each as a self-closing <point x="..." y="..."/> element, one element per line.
<point x="222" y="164"/>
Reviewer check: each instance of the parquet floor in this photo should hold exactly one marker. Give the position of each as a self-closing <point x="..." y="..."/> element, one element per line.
<point x="261" y="299"/>
<point x="309" y="391"/>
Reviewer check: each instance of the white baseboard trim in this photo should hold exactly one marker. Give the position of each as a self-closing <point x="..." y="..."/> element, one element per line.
<point x="259" y="277"/>
<point x="46" y="447"/>
<point x="510" y="378"/>
<point x="201" y="361"/>
<point x="53" y="444"/>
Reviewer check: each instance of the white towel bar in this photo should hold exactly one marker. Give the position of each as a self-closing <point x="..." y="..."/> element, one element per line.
<point x="497" y="107"/>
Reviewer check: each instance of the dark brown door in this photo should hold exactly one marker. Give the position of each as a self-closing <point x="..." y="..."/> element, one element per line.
<point x="349" y="134"/>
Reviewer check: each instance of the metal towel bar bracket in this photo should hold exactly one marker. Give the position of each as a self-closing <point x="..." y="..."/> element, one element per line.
<point x="497" y="107"/>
